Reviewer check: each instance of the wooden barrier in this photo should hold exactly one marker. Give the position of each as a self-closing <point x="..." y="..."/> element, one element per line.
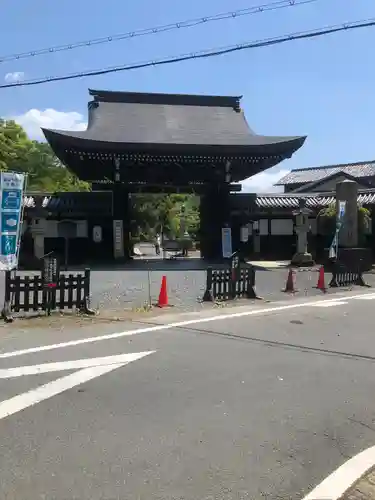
<point x="40" y="293"/>
<point x="229" y="284"/>
<point x="344" y="276"/>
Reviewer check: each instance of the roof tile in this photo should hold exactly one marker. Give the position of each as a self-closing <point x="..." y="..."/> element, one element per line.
<point x="285" y="201"/>
<point x="301" y="176"/>
<point x="136" y="118"/>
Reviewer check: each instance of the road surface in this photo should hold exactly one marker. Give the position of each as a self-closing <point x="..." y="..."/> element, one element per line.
<point x="261" y="402"/>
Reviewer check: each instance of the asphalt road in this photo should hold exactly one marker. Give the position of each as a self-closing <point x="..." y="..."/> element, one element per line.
<point x="259" y="406"/>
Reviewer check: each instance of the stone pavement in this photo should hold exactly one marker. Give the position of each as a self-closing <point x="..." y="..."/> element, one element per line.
<point x="364" y="489"/>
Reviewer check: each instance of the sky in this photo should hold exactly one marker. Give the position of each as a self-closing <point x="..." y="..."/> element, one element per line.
<point x="322" y="88"/>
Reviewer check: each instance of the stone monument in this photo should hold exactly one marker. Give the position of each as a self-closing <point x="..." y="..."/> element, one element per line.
<point x="347" y="192"/>
<point x="302" y="257"/>
<point x="348" y="251"/>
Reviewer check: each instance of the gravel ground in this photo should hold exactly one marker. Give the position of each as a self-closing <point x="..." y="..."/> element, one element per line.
<point x="131" y="286"/>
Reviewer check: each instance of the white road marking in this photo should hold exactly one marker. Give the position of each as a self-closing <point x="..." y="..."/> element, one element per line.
<point x="370" y="296"/>
<point x="335" y="485"/>
<point x="330" y="304"/>
<point x="72" y="365"/>
<point x="46" y="391"/>
<point x="170" y="326"/>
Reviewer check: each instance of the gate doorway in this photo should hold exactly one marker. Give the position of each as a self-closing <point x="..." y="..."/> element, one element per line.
<point x="165" y="225"/>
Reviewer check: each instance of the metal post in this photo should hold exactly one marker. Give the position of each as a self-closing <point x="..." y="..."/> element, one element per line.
<point x="149" y="286"/>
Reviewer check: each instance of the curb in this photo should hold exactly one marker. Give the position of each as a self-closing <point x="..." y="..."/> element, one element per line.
<point x="340" y="481"/>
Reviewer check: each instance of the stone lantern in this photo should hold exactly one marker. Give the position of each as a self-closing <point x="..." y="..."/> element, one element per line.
<point x="302" y="257"/>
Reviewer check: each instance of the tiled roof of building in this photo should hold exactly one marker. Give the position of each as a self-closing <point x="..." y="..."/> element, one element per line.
<point x="317" y="201"/>
<point x="305" y="175"/>
<point x="169" y="119"/>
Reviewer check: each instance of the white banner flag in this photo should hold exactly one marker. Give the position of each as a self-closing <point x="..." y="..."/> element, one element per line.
<point x="11" y="197"/>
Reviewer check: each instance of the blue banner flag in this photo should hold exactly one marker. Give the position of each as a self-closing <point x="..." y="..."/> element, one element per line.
<point x="11" y="196"/>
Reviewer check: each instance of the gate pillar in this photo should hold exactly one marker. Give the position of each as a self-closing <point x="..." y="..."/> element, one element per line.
<point x="214" y="215"/>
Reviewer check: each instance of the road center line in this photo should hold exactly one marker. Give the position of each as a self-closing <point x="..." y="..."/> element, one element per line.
<point x="170" y="326"/>
<point x="330" y="304"/>
<point x="370" y="296"/>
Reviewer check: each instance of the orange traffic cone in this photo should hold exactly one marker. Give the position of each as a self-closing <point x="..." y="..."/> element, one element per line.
<point x="290" y="283"/>
<point x="321" y="282"/>
<point x="163" y="295"/>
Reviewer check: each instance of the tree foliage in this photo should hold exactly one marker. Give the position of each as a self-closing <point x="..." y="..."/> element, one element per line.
<point x="36" y="159"/>
<point x="14" y="144"/>
<point x="327" y="218"/>
<point x="163" y="214"/>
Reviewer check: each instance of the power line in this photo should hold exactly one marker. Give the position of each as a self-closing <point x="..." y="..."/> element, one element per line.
<point x="203" y="53"/>
<point x="280" y="4"/>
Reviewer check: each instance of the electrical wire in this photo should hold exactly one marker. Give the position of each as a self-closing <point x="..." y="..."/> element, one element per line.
<point x="280" y="4"/>
<point x="202" y="54"/>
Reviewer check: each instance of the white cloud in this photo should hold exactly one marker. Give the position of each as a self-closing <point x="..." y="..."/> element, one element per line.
<point x="14" y="77"/>
<point x="264" y="182"/>
<point x="34" y="119"/>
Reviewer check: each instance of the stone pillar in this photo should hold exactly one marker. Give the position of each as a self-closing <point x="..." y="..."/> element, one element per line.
<point x="348" y="191"/>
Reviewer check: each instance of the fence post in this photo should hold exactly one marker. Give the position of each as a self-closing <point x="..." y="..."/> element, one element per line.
<point x="333" y="283"/>
<point x="250" y="292"/>
<point x="208" y="294"/>
<point x="360" y="280"/>
<point x="85" y="305"/>
<point x="6" y="313"/>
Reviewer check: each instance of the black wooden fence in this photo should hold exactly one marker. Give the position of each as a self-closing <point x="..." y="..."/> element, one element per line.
<point x="40" y="293"/>
<point x="229" y="284"/>
<point x="342" y="275"/>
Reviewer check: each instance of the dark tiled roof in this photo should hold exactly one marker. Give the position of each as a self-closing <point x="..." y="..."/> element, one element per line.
<point x="138" y="118"/>
<point x="304" y="175"/>
<point x="290" y="201"/>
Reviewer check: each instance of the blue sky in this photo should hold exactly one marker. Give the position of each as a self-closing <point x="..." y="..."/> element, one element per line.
<point x="323" y="88"/>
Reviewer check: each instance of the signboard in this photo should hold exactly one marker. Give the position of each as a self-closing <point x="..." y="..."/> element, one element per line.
<point x="342" y="208"/>
<point x="11" y="195"/>
<point x="118" y="239"/>
<point x="97" y="234"/>
<point x="226" y="242"/>
<point x="244" y="234"/>
<point x="50" y="271"/>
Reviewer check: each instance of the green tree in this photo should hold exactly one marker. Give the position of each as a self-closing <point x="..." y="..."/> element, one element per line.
<point x="46" y="173"/>
<point x="14" y="144"/>
<point x="327" y="217"/>
<point x="36" y="159"/>
<point x="155" y="213"/>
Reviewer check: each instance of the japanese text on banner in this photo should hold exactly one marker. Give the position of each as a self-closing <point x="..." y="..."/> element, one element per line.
<point x="11" y="196"/>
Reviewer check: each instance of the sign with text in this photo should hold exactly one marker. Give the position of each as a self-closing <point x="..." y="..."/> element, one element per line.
<point x="118" y="239"/>
<point x="226" y="242"/>
<point x="11" y="195"/>
<point x="342" y="207"/>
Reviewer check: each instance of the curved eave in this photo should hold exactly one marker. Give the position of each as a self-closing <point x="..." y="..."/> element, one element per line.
<point x="286" y="146"/>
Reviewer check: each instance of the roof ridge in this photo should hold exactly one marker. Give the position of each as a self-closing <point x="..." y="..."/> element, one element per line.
<point x="337" y="165"/>
<point x="165" y="98"/>
<point x="322" y="194"/>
